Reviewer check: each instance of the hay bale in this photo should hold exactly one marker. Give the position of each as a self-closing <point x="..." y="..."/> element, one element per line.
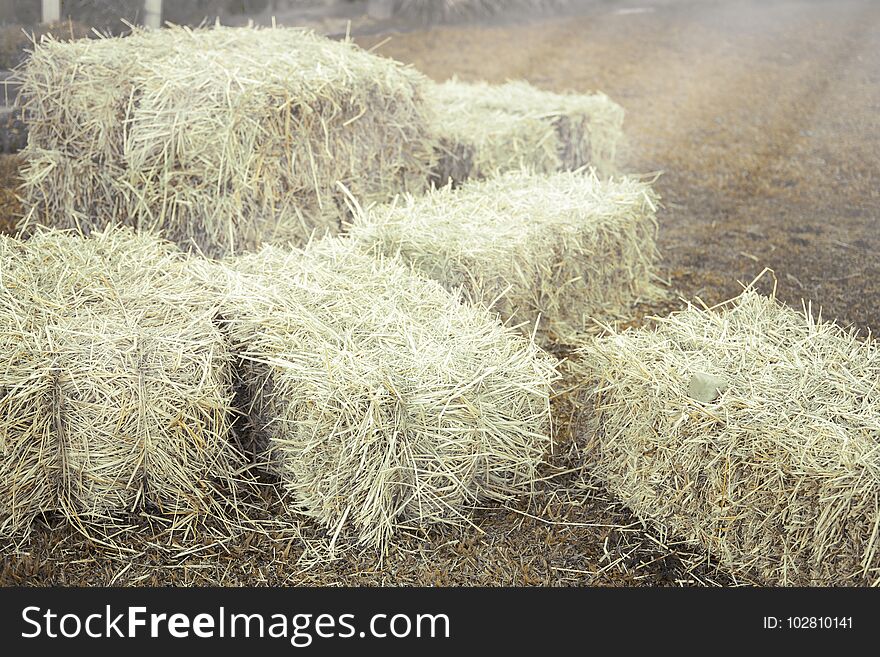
<point x="381" y="402"/>
<point x="547" y="252"/>
<point x="115" y="383"/>
<point x="482" y="129"/>
<point x="777" y="477"/>
<point x="211" y="136"/>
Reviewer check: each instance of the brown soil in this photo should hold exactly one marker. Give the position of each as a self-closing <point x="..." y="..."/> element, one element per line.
<point x="765" y="119"/>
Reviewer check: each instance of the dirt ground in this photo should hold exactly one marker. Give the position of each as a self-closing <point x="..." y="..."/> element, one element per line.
<point x="764" y="118"/>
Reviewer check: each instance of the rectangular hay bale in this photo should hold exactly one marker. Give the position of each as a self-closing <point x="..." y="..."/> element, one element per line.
<point x="482" y="129"/>
<point x="211" y="136"/>
<point x="115" y="384"/>
<point x="547" y="252"/>
<point x="776" y="472"/>
<point x="380" y="401"/>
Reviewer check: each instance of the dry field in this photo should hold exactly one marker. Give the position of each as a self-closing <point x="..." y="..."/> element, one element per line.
<point x="764" y="118"/>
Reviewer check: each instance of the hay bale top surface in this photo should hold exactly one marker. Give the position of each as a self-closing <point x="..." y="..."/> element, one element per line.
<point x="384" y="312"/>
<point x="254" y="56"/>
<point x="494" y="217"/>
<point x="182" y="66"/>
<point x="777" y="475"/>
<point x="553" y="251"/>
<point x="57" y="271"/>
<point x="769" y="356"/>
<point x="518" y="97"/>
<point x="54" y="272"/>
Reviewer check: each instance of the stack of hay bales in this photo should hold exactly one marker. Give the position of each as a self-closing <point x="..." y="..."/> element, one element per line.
<point x="380" y="401"/>
<point x="482" y="129"/>
<point x="114" y="383"/>
<point x="220" y="138"/>
<point x="547" y="252"/>
<point x="751" y="430"/>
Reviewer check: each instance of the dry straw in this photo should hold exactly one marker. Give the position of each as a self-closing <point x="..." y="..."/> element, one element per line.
<point x="381" y="402"/>
<point x="212" y="135"/>
<point x="552" y="252"/>
<point x="114" y="386"/>
<point x="778" y="477"/>
<point x="484" y="128"/>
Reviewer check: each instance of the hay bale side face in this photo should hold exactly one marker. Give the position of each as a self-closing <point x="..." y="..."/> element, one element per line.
<point x="76" y="95"/>
<point x="116" y="386"/>
<point x="385" y="403"/>
<point x="484" y="128"/>
<point x="778" y="478"/>
<point x="589" y="126"/>
<point x="213" y="135"/>
<point x="552" y="252"/>
<point x="28" y="468"/>
<point x="142" y="413"/>
<point x="476" y="143"/>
